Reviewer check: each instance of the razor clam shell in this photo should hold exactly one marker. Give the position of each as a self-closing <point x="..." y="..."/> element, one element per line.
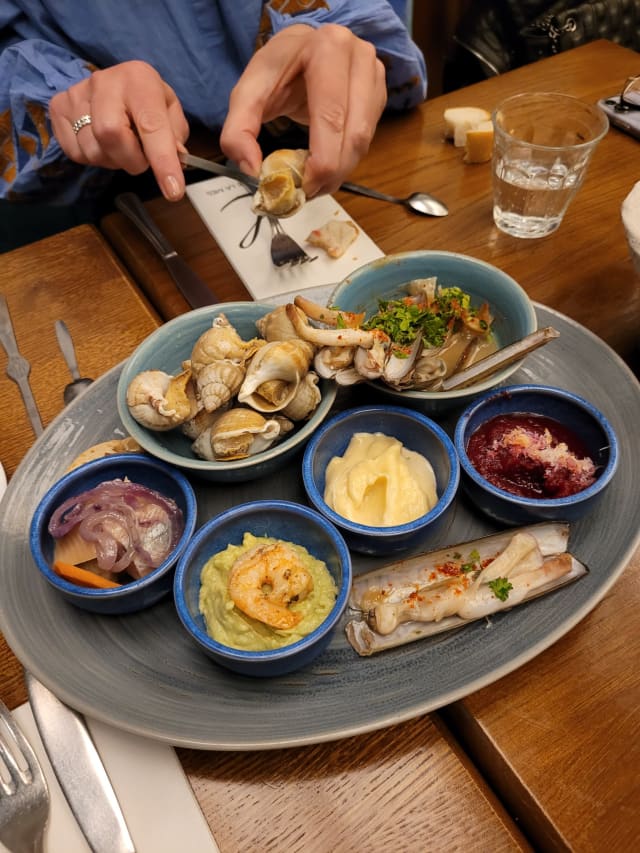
<point x="553" y="538"/>
<point x="367" y="642"/>
<point x="500" y="358"/>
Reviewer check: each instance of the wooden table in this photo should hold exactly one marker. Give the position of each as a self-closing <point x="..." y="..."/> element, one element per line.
<point x="332" y="797"/>
<point x="557" y="740"/>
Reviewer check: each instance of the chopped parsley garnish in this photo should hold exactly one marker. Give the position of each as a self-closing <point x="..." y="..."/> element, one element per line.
<point x="501" y="588"/>
<point x="403" y="319"/>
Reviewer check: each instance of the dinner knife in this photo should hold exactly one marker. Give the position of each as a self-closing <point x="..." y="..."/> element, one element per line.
<point x="80" y="771"/>
<point x="18" y="368"/>
<point x="193" y="288"/>
<point x="217" y="169"/>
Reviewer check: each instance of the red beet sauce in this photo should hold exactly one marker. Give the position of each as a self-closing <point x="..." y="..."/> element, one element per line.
<point x="519" y="453"/>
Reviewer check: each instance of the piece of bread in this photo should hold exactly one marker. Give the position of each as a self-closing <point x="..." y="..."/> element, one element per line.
<point x="459" y="120"/>
<point x="334" y="237"/>
<point x="478" y="146"/>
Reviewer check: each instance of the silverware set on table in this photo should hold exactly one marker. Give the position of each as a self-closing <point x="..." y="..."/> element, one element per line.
<point x="18" y="368"/>
<point x="24" y="794"/>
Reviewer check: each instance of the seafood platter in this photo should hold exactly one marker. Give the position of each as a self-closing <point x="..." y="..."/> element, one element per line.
<point x="419" y="629"/>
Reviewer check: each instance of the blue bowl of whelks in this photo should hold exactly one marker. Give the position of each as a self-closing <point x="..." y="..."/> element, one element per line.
<point x="226" y="392"/>
<point x="262" y="587"/>
<point x="108" y="534"/>
<point x="385" y="476"/>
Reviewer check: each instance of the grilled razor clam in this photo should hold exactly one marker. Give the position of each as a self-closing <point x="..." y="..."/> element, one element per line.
<point x="533" y="570"/>
<point x="280" y="190"/>
<point x="329" y="316"/>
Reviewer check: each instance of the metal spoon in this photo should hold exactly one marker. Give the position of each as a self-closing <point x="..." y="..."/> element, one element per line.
<point x="79" y="384"/>
<point x="422" y="203"/>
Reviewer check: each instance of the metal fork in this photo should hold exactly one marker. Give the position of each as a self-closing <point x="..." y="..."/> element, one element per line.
<point x="24" y="796"/>
<point x="284" y="249"/>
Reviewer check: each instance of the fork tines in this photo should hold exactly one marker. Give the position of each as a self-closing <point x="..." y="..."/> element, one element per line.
<point x="284" y="249"/>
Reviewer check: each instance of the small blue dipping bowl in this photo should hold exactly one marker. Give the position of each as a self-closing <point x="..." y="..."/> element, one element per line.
<point x="145" y="470"/>
<point x="283" y="520"/>
<point x="416" y="432"/>
<point x="577" y="414"/>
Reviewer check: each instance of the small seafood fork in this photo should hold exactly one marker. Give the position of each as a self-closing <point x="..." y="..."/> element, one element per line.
<point x="284" y="249"/>
<point x="24" y="796"/>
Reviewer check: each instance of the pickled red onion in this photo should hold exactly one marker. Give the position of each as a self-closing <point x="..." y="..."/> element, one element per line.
<point x="132" y="527"/>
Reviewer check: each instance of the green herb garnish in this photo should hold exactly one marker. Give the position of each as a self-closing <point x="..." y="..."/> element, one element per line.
<point x="501" y="588"/>
<point x="472" y="562"/>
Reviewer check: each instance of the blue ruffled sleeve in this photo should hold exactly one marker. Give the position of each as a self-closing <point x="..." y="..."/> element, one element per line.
<point x="374" y="21"/>
<point x="32" y="164"/>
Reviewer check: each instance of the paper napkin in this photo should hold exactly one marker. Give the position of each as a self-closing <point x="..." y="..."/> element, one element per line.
<point x="225" y="207"/>
<point x="161" y="811"/>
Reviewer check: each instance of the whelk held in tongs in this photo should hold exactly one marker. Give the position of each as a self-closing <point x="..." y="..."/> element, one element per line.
<point x="500" y="358"/>
<point x="447" y="589"/>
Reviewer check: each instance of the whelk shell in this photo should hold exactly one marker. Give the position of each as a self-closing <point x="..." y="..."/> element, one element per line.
<point x="221" y="341"/>
<point x="274" y="373"/>
<point x="160" y="401"/>
<point x="219" y="381"/>
<point x="280" y="190"/>
<point x="236" y="434"/>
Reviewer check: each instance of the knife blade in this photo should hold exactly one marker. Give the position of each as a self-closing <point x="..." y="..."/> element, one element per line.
<point x="80" y="771"/>
<point x="193" y="288"/>
<point x="18" y="368"/>
<point x="217" y="169"/>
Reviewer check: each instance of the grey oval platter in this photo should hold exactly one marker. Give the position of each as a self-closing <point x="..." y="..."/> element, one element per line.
<point x="141" y="673"/>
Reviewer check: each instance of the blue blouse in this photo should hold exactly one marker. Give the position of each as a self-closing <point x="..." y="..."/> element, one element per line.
<point x="48" y="45"/>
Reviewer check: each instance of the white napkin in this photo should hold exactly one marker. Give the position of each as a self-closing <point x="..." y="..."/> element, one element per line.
<point x="161" y="811"/>
<point x="229" y="218"/>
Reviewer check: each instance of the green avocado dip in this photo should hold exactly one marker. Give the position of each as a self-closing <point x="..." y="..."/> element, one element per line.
<point x="227" y="624"/>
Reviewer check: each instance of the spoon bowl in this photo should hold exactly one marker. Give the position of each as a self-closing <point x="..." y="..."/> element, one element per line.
<point x="80" y="383"/>
<point x="418" y="202"/>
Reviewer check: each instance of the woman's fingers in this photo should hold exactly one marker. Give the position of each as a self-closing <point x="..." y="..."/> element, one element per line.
<point x="136" y="122"/>
<point x="327" y="78"/>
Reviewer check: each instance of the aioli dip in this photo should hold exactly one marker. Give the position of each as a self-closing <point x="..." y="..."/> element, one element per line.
<point x="229" y="625"/>
<point x="378" y="482"/>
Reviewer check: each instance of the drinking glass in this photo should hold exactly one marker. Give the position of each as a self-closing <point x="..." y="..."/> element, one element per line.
<point x="543" y="142"/>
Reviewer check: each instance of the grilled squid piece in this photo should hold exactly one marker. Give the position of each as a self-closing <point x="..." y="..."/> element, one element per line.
<point x="449" y="588"/>
<point x="280" y="190"/>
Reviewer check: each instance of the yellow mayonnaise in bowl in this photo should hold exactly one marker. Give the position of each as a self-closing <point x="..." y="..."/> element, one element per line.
<point x="385" y="476"/>
<point x="262" y="587"/>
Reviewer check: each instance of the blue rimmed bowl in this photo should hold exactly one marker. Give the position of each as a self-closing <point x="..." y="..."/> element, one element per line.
<point x="138" y="468"/>
<point x="166" y="349"/>
<point x="282" y="520"/>
<point x="576" y="414"/>
<point x="416" y="432"/>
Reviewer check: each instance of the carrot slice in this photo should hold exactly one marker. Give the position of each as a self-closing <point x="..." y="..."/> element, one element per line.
<point x="82" y="577"/>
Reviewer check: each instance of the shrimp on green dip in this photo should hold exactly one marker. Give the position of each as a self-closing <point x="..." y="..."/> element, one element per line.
<point x="264" y="594"/>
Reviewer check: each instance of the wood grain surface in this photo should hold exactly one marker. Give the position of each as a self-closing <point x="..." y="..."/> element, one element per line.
<point x="72" y="276"/>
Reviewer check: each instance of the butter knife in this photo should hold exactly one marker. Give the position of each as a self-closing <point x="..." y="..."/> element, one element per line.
<point x="18" y="368"/>
<point x="80" y="771"/>
<point x="193" y="288"/>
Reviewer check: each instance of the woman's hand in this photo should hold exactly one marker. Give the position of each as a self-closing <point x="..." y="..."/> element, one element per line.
<point x="326" y="78"/>
<point x="136" y="122"/>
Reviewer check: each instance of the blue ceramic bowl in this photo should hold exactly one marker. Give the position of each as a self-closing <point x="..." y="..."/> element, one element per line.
<point x="416" y="432"/>
<point x="386" y="278"/>
<point x="575" y="413"/>
<point x="166" y="349"/>
<point x="281" y="520"/>
<point x="138" y="468"/>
